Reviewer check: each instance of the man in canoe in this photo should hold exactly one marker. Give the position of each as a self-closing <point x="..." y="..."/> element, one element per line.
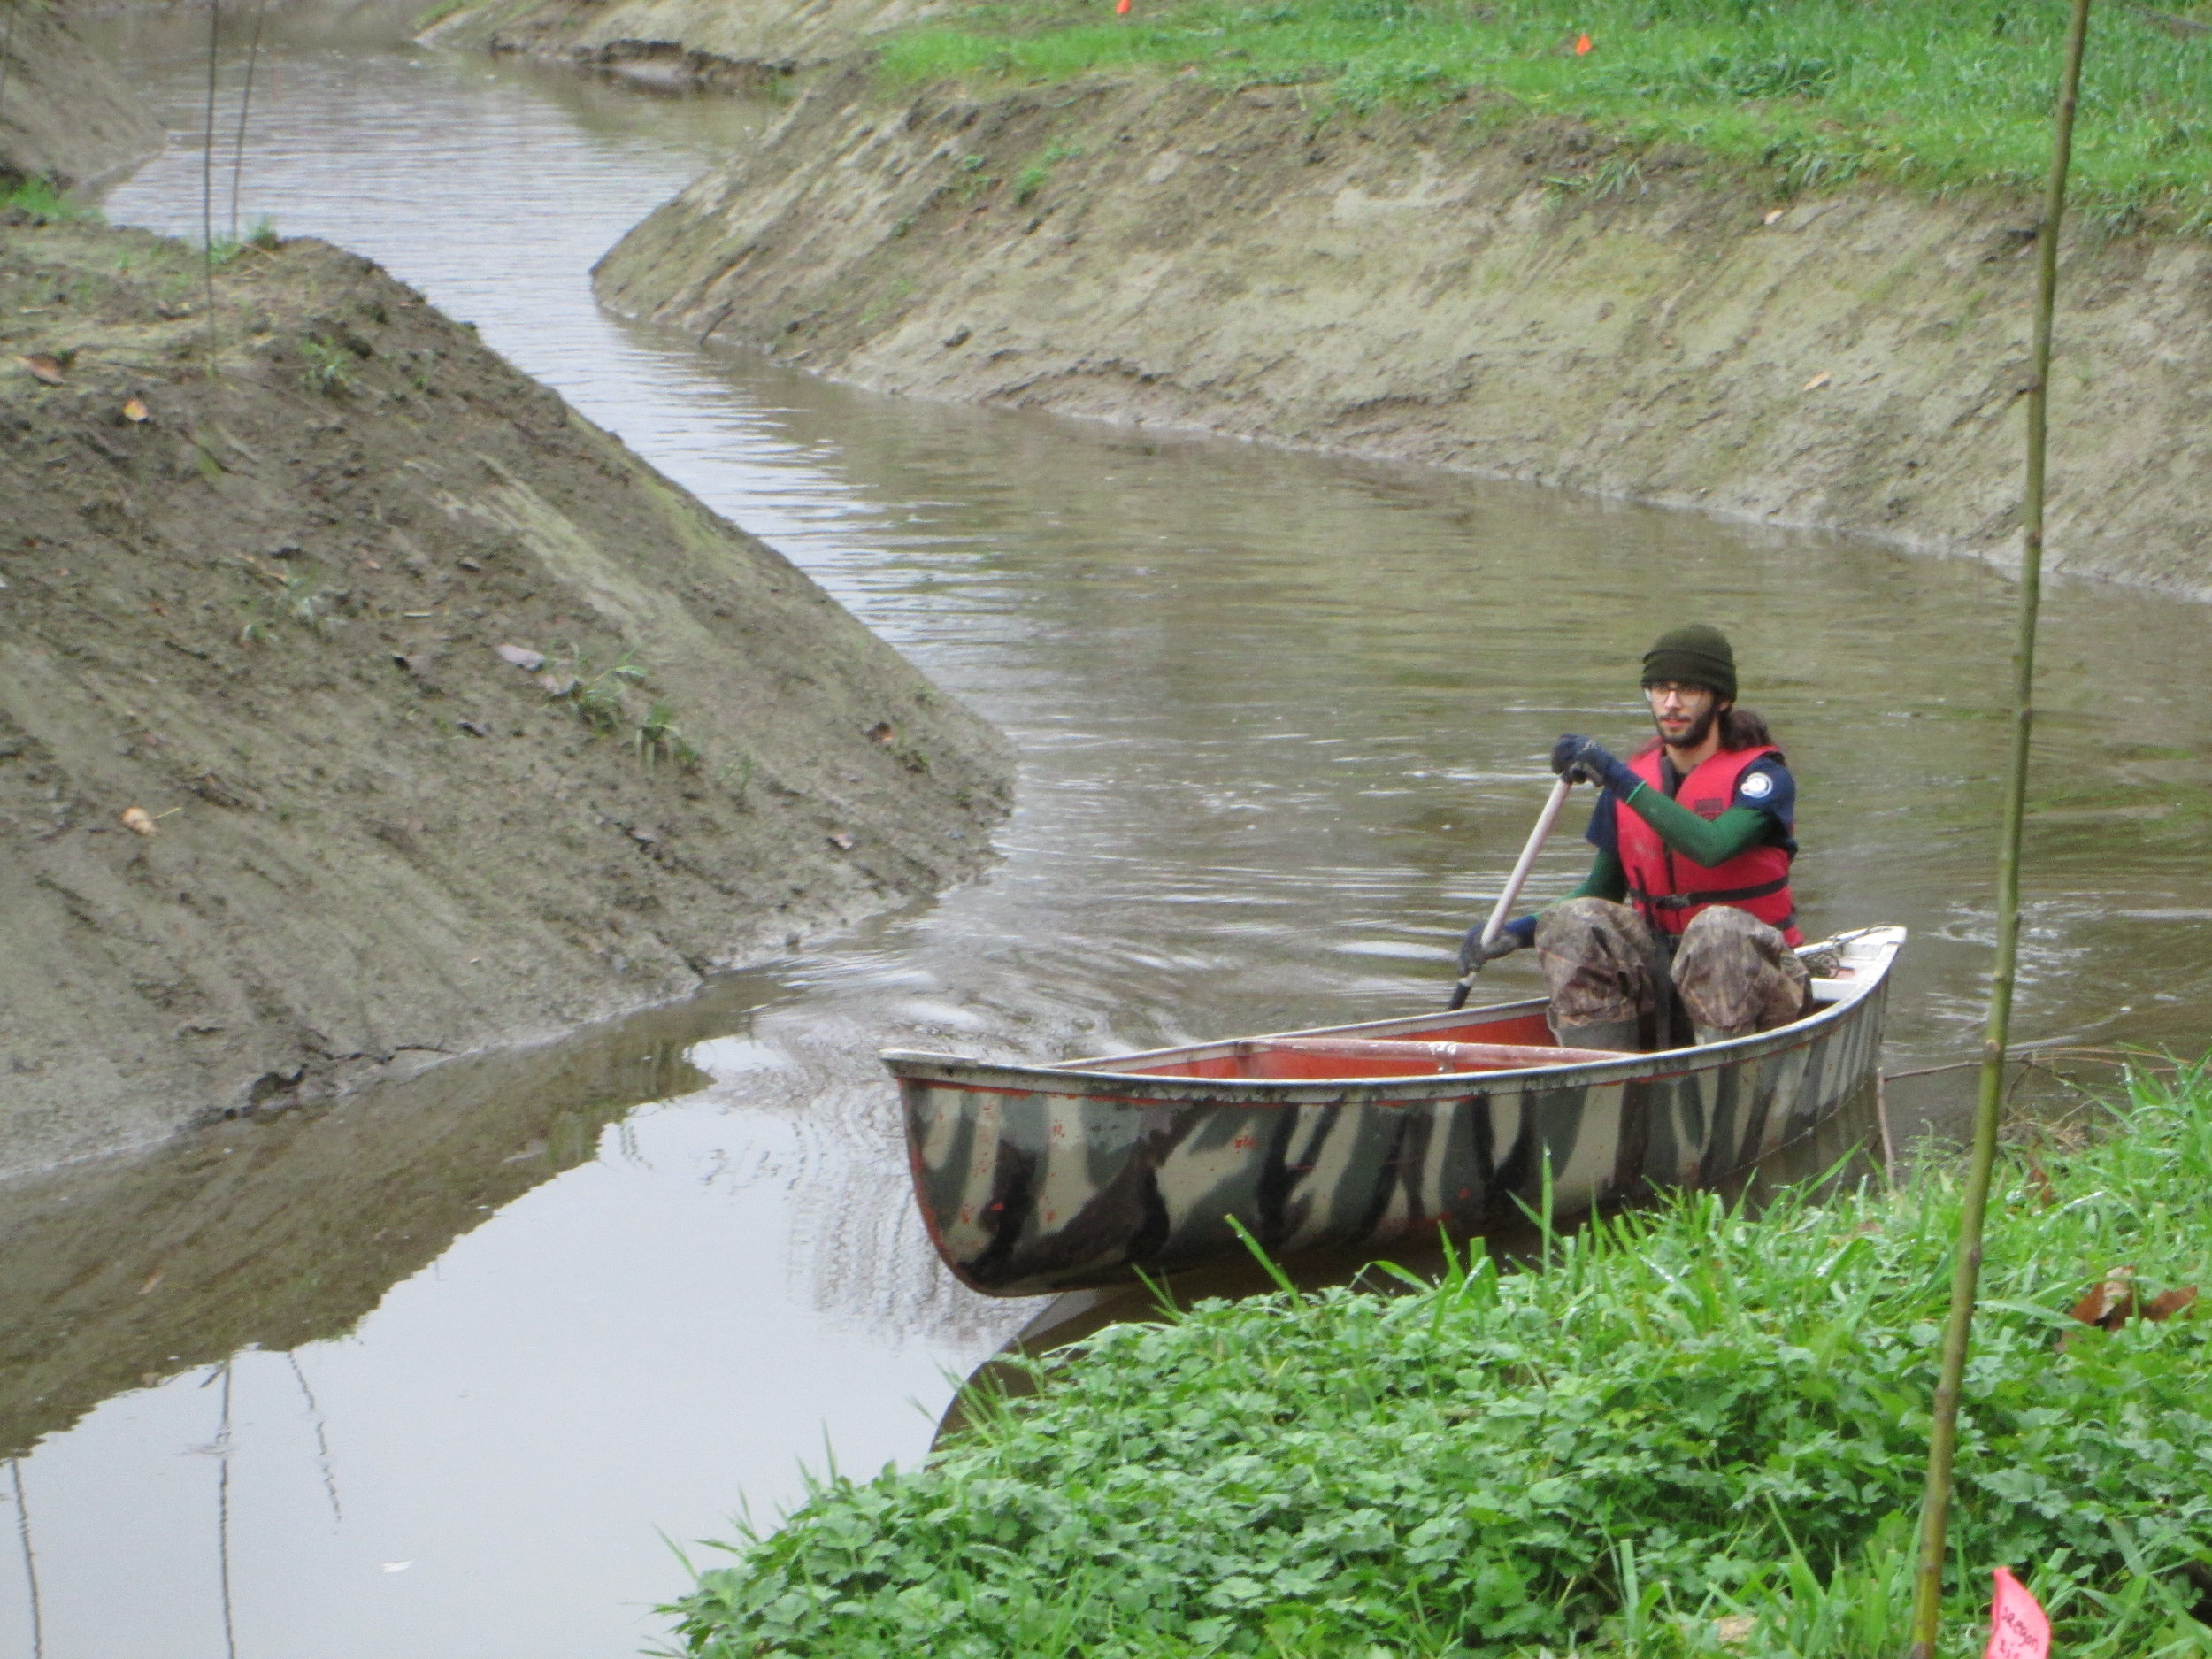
<point x="1685" y="919"/>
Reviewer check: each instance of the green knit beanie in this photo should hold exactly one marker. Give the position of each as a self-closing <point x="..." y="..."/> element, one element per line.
<point x="1698" y="655"/>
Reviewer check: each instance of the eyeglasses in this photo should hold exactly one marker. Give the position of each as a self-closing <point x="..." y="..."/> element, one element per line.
<point x="1660" y="690"/>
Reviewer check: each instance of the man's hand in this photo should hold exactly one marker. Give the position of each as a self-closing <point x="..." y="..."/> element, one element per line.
<point x="1474" y="955"/>
<point x="1585" y="760"/>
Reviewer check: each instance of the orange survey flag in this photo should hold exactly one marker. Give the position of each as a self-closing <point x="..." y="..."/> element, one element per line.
<point x="2017" y="1627"/>
<point x="1583" y="45"/>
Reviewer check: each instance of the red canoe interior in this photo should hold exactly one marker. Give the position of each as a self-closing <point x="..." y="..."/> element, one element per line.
<point x="1495" y="1046"/>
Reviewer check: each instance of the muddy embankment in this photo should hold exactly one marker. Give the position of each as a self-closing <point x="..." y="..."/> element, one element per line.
<point x="1523" y="303"/>
<point x="65" y="115"/>
<point x="289" y="798"/>
<point x="706" y="44"/>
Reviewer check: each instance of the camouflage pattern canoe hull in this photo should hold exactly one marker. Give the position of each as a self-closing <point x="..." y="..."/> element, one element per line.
<point x="1034" y="1180"/>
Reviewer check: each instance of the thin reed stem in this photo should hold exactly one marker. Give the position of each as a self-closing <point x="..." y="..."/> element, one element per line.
<point x="7" y="51"/>
<point x="207" y="181"/>
<point x="245" y="106"/>
<point x="30" y="1559"/>
<point x="1935" y="1510"/>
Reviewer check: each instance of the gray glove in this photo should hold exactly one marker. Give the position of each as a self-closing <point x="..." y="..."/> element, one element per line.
<point x="1474" y="955"/>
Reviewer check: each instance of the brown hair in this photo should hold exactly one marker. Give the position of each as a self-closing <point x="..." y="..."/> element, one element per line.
<point x="1743" y="728"/>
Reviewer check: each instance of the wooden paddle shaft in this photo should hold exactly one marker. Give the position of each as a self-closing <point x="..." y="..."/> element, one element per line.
<point x="1545" y="819"/>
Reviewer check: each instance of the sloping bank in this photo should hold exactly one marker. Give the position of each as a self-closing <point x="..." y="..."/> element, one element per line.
<point x="1520" y="304"/>
<point x="673" y="42"/>
<point x="262" y="612"/>
<point x="66" y="116"/>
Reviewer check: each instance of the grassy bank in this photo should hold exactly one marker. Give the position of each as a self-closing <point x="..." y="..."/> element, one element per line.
<point x="1942" y="94"/>
<point x="1696" y="1433"/>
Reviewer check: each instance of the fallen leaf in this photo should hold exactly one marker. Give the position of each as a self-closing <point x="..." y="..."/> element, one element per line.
<point x="2166" y="1303"/>
<point x="558" y="685"/>
<point x="2040" y="1182"/>
<point x="522" y="656"/>
<point x="842" y="842"/>
<point x="1816" y="382"/>
<point x="642" y="837"/>
<point x="135" y="411"/>
<point x="150" y="1284"/>
<point x="1735" y="1630"/>
<point x="44" y="367"/>
<point x="881" y="732"/>
<point x="1773" y="213"/>
<point x="138" y="821"/>
<point x="2110" y="1302"/>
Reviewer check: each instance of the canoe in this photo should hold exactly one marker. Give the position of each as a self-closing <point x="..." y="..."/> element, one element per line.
<point x="1039" y="1178"/>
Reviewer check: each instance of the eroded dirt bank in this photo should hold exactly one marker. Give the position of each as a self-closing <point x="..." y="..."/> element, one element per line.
<point x="1523" y="304"/>
<point x="677" y="42"/>
<point x="64" y="113"/>
<point x="261" y="612"/>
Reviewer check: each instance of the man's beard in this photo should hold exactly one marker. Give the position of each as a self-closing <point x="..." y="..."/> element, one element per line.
<point x="1699" y="729"/>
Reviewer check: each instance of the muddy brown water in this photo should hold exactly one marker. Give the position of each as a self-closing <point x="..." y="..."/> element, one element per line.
<point x="435" y="1373"/>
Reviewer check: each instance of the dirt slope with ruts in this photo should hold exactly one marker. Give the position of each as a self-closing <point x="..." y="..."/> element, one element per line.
<point x="360" y="704"/>
<point x="65" y="115"/>
<point x="1523" y="301"/>
<point x="702" y="44"/>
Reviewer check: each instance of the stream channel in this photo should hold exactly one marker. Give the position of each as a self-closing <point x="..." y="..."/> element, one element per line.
<point x="433" y="1373"/>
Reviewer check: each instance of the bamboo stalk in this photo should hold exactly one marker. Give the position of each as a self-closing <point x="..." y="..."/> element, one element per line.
<point x="1935" y="1511"/>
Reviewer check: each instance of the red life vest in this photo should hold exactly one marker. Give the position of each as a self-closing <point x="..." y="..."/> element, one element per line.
<point x="1668" y="890"/>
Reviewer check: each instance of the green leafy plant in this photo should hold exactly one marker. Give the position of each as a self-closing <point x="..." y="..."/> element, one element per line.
<point x="596" y="694"/>
<point x="296" y="599"/>
<point x="659" y="738"/>
<point x="737" y="778"/>
<point x="329" y="369"/>
<point x="37" y="200"/>
<point x="1695" y="1432"/>
<point x="1038" y="173"/>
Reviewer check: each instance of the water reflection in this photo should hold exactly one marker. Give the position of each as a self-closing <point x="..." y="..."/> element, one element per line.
<point x="1281" y="721"/>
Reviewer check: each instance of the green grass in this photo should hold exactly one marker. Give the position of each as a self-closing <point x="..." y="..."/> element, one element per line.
<point x="38" y="200"/>
<point x="1942" y="94"/>
<point x="1695" y="1432"/>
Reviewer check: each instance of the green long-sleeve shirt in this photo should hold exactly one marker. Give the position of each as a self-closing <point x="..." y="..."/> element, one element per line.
<point x="1703" y="841"/>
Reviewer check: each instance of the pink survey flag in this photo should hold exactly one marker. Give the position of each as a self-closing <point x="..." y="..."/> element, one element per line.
<point x="2018" y="1628"/>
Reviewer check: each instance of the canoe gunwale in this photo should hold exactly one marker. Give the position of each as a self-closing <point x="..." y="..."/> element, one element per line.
<point x="1083" y="1079"/>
